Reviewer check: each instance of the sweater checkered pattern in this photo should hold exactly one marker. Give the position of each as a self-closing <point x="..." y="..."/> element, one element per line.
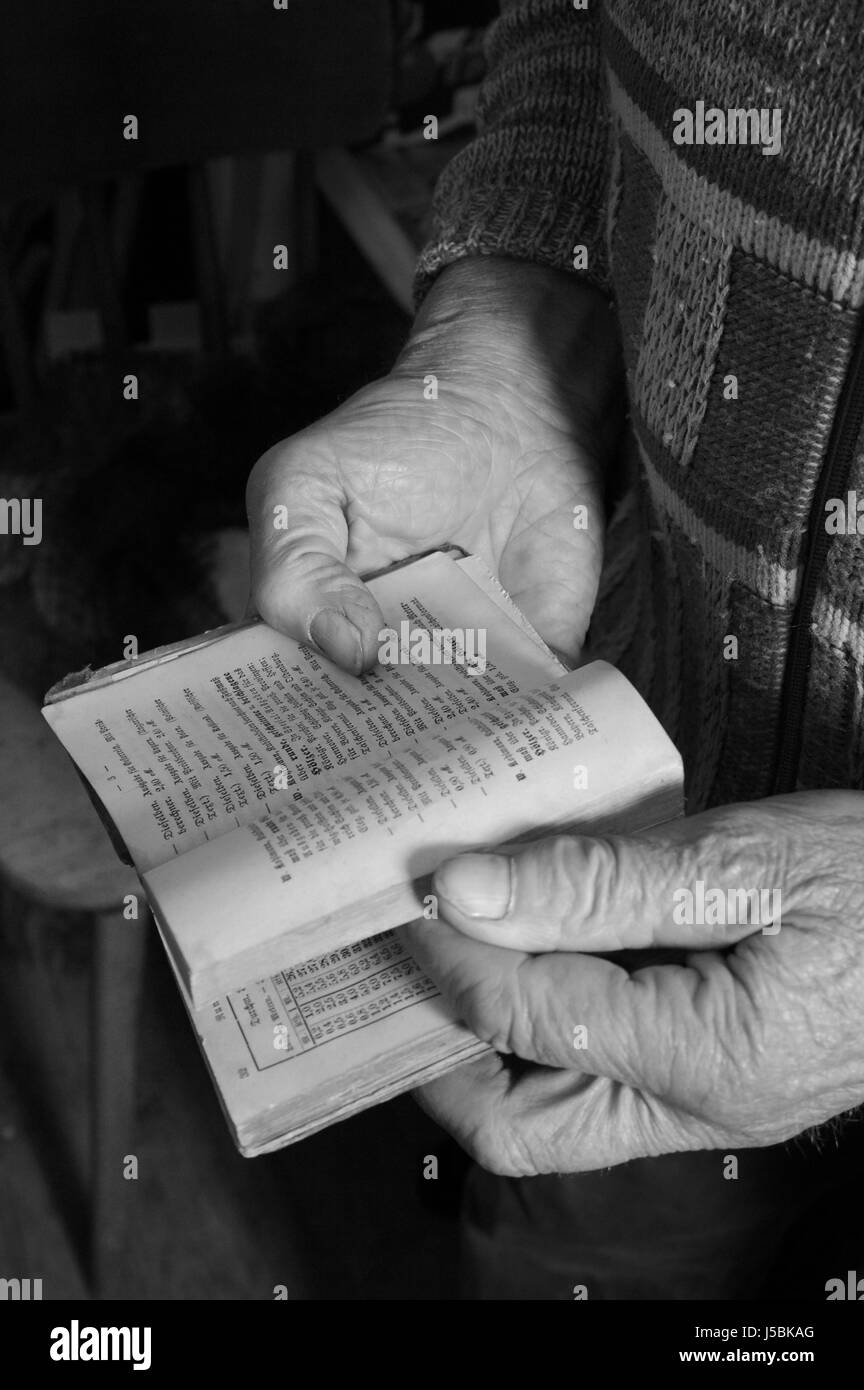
<point x="722" y="262"/>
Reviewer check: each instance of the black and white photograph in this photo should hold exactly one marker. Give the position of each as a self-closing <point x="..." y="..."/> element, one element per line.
<point x="431" y="671"/>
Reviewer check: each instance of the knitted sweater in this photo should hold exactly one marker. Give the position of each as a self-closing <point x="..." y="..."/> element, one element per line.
<point x="730" y="595"/>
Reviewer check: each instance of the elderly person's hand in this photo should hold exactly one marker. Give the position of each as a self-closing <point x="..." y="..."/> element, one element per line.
<point x="757" y="1035"/>
<point x="492" y="429"/>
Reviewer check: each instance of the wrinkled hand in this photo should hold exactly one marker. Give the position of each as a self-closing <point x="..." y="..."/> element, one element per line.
<point x="524" y="362"/>
<point x="756" y="1036"/>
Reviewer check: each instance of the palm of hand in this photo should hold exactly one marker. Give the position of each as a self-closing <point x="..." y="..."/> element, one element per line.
<point x="415" y="474"/>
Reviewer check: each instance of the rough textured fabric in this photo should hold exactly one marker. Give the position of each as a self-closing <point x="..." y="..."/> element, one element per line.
<point x="519" y="189"/>
<point x="723" y="263"/>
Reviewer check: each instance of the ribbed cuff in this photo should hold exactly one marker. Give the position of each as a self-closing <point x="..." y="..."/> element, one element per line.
<point x="523" y="224"/>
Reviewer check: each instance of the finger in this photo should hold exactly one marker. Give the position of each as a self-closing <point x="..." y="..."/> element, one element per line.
<point x="301" y="584"/>
<point x="551" y="570"/>
<point x="545" y="1121"/>
<point x="709" y="880"/>
<point x="659" y="1029"/>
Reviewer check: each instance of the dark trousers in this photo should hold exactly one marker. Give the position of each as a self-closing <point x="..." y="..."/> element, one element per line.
<point x="670" y="1228"/>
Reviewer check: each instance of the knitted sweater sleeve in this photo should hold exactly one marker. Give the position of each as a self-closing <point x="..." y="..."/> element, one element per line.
<point x="532" y="184"/>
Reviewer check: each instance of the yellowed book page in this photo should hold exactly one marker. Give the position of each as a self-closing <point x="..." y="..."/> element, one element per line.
<point x="186" y="750"/>
<point x="305" y="1032"/>
<point x="312" y="875"/>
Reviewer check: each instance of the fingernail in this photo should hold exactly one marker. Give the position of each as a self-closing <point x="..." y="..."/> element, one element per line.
<point x="479" y="885"/>
<point x="337" y="637"/>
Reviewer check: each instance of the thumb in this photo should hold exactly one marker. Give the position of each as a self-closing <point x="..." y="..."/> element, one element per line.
<point x="301" y="584"/>
<point x="580" y="893"/>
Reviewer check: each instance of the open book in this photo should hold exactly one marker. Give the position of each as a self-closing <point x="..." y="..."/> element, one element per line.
<point x="285" y="816"/>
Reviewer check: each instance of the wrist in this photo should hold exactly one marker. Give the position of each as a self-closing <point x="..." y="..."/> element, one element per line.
<point x="516" y="331"/>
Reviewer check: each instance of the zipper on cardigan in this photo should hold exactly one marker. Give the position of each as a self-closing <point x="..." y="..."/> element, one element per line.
<point x="832" y="483"/>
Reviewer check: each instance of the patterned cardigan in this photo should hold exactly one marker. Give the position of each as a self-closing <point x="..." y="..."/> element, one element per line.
<point x="738" y="279"/>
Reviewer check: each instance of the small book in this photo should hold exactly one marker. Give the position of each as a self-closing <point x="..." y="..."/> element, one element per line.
<point x="286" y="818"/>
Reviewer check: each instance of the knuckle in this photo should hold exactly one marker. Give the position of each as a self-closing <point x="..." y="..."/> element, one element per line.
<point x="582" y="873"/>
<point x="725" y="1044"/>
<point x="547" y="874"/>
<point x="608" y="895"/>
<point x="725" y="844"/>
<point x="643" y="1050"/>
<point x="484" y="1006"/>
<point x="540" y="1026"/>
<point x="513" y="1017"/>
<point x="734" y="857"/>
